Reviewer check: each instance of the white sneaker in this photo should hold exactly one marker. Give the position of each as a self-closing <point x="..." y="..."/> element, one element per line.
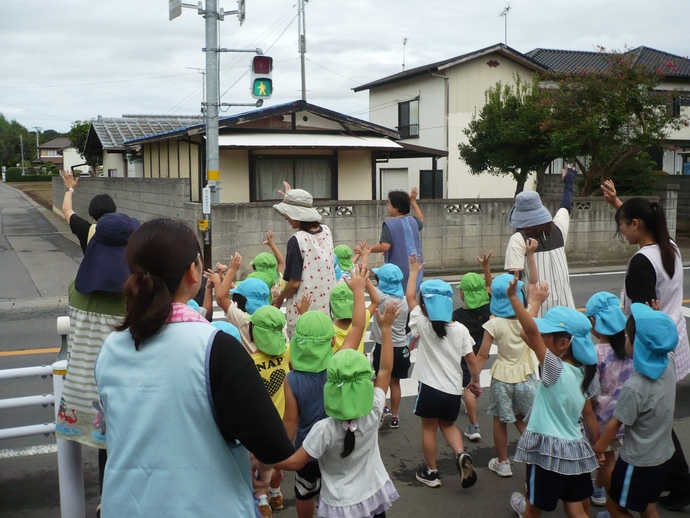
<point x="502" y="469"/>
<point x="473" y="433"/>
<point x="517" y="502"/>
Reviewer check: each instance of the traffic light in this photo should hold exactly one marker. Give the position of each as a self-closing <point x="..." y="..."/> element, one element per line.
<point x="262" y="84"/>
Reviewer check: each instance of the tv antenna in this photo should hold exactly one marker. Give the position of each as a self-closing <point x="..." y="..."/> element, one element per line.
<point x="504" y="14"/>
<point x="404" y="44"/>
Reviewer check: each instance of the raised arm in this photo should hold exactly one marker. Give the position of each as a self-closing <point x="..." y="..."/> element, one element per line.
<point x="223" y="291"/>
<point x="279" y="257"/>
<point x="411" y="288"/>
<point x="537" y="296"/>
<point x="531" y="247"/>
<point x="530" y="331"/>
<point x="70" y="184"/>
<point x="356" y="283"/>
<point x="413" y="204"/>
<point x="385" y="321"/>
<point x="484" y="261"/>
<point x="568" y="183"/>
<point x="610" y="195"/>
<point x="213" y="281"/>
<point x="208" y="295"/>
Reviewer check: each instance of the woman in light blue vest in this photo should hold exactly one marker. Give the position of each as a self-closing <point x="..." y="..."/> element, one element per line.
<point x="184" y="402"/>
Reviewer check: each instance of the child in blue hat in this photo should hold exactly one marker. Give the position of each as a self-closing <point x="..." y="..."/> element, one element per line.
<point x="442" y="344"/>
<point x="614" y="368"/>
<point x="559" y="457"/>
<point x="645" y="406"/>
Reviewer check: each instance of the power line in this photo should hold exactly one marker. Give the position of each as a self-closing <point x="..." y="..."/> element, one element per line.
<point x="24" y="87"/>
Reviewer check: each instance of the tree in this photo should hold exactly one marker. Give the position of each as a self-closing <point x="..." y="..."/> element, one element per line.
<point x="608" y="116"/>
<point x="11" y="134"/>
<point x="77" y="137"/>
<point x="507" y="136"/>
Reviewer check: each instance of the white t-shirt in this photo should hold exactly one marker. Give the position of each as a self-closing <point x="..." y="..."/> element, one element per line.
<point x="438" y="362"/>
<point x="236" y="317"/>
<point x="361" y="474"/>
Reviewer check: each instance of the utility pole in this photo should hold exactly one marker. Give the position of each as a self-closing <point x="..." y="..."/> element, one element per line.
<point x="38" y="151"/>
<point x="302" y="44"/>
<point x="21" y="145"/>
<point x="404" y="45"/>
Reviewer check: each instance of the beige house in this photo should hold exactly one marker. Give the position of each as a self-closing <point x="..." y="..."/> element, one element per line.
<point x="430" y="106"/>
<point x="333" y="156"/>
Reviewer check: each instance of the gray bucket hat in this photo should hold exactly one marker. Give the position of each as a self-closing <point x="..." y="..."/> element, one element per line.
<point x="297" y="205"/>
<point x="528" y="211"/>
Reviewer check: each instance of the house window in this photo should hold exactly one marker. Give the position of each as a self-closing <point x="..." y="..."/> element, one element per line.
<point x="408" y="119"/>
<point x="430" y="184"/>
<point x="315" y="174"/>
<point x="50" y="152"/>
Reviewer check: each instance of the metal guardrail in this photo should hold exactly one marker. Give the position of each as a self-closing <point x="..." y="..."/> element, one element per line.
<point x="70" y="461"/>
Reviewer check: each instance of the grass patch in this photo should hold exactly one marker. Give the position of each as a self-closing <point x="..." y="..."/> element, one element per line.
<point x="40" y="192"/>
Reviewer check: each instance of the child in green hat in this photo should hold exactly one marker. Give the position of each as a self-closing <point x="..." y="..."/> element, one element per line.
<point x="354" y="479"/>
<point x="342" y="307"/>
<point x="310" y="351"/>
<point x="272" y="359"/>
<point x="475" y="293"/>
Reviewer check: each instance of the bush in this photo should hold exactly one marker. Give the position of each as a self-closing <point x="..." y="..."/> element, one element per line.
<point x="636" y="177"/>
<point x="14" y="174"/>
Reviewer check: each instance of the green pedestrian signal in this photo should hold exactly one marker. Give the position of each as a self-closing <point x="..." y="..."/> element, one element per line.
<point x="262" y="84"/>
<point x="262" y="88"/>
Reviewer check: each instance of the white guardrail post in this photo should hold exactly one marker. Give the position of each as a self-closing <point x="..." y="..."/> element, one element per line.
<point x="70" y="461"/>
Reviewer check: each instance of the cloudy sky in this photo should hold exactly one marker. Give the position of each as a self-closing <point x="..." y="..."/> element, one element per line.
<point x="67" y="60"/>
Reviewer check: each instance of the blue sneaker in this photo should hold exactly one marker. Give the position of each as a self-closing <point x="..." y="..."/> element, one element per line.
<point x="599" y="496"/>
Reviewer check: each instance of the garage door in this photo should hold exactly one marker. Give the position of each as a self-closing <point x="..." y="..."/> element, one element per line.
<point x="393" y="179"/>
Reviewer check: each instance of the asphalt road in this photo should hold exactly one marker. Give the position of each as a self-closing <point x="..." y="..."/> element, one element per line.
<point x="36" y="263"/>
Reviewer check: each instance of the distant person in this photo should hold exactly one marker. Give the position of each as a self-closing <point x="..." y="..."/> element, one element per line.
<point x="400" y="234"/>
<point x="100" y="204"/>
<point x="531" y="219"/>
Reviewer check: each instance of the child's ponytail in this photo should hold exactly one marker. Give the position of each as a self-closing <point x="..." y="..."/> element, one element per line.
<point x="617" y="343"/>
<point x="349" y="443"/>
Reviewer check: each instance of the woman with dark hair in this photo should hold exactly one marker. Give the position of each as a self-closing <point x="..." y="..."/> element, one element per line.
<point x="184" y="401"/>
<point x="400" y="234"/>
<point x="655" y="272"/>
<point x="309" y="268"/>
<point x="531" y="219"/>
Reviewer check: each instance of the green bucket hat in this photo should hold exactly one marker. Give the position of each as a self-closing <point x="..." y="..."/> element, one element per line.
<point x="265" y="262"/>
<point x="349" y="391"/>
<point x="342" y="301"/>
<point x="344" y="255"/>
<point x="474" y="289"/>
<point x="268" y="327"/>
<point x="266" y="277"/>
<point x="310" y="347"/>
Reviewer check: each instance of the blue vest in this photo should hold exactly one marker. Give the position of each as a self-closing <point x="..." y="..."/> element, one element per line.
<point x="307" y="388"/>
<point x="166" y="455"/>
<point x="405" y="237"/>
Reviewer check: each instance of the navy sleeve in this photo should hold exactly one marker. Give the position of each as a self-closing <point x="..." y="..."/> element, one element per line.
<point x="568" y="182"/>
<point x="294" y="261"/>
<point x="640" y="283"/>
<point x="386" y="235"/>
<point x="80" y="228"/>
<point x="244" y="410"/>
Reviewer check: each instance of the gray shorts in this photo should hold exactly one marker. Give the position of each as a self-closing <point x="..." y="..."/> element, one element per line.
<point x="506" y="400"/>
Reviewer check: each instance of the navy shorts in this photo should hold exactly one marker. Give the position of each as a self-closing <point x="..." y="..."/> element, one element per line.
<point x="634" y="488"/>
<point x="434" y="404"/>
<point x="401" y="361"/>
<point x="545" y="488"/>
<point x="308" y="481"/>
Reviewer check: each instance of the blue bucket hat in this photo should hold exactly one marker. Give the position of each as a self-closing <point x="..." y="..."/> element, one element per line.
<point x="560" y="319"/>
<point x="255" y="291"/>
<point x="390" y="279"/>
<point x="528" y="211"/>
<point x="500" y="305"/>
<point x="438" y="300"/>
<point x="656" y="335"/>
<point x="606" y="310"/>
<point x="228" y="328"/>
<point x="104" y="267"/>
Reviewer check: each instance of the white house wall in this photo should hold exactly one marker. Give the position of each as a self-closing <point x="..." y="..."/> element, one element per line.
<point x="113" y="161"/>
<point x="383" y="110"/>
<point x="468" y="83"/>
<point x="70" y="157"/>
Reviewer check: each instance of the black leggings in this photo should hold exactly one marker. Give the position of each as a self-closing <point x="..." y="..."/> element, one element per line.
<point x="102" y="458"/>
<point x="678" y="481"/>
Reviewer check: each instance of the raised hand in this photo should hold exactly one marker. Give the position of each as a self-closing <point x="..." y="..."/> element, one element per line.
<point x="269" y="238"/>
<point x="389" y="315"/>
<point x="303" y="304"/>
<point x="414" y="192"/>
<point x="359" y="273"/>
<point x="286" y="186"/>
<point x="415" y="264"/>
<point x="485" y="258"/>
<point x="235" y="261"/>
<point x="609" y="190"/>
<point x="212" y="277"/>
<point x="512" y="286"/>
<point x="531" y="245"/>
<point x="221" y="268"/>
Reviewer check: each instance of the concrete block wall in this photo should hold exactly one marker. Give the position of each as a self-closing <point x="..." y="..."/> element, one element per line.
<point x="455" y="231"/>
<point x="681" y="184"/>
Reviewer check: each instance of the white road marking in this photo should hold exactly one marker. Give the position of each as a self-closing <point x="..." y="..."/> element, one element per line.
<point x="28" y="451"/>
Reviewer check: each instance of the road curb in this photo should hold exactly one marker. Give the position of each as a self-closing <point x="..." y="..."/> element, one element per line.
<point x="36" y="303"/>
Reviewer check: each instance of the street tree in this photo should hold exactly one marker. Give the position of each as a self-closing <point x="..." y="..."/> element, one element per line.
<point x="11" y="134"/>
<point x="78" y="134"/>
<point x="603" y="118"/>
<point x="508" y="137"/>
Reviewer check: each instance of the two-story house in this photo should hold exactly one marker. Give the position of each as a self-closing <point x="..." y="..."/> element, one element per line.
<point x="60" y="152"/>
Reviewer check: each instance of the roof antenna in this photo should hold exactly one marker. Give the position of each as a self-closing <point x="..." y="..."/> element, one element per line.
<point x="504" y="13"/>
<point x="404" y="44"/>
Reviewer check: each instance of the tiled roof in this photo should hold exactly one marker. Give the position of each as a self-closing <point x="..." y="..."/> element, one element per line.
<point x="56" y="143"/>
<point x="577" y="60"/>
<point x="113" y="132"/>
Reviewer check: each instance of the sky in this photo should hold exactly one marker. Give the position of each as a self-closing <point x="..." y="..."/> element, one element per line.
<point x="68" y="60"/>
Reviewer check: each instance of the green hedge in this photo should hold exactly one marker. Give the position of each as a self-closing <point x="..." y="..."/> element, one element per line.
<point x="14" y="174"/>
